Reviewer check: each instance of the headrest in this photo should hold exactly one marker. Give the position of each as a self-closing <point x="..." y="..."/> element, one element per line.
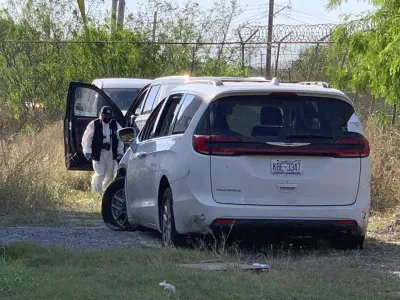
<point x="271" y="116"/>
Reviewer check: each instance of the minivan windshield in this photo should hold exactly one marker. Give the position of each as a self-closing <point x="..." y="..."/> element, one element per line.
<point x="122" y="97"/>
<point x="279" y="118"/>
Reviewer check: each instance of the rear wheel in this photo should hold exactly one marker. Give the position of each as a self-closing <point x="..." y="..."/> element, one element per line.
<point x="113" y="207"/>
<point x="169" y="235"/>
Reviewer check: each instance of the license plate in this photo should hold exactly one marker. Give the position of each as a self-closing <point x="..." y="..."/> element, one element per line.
<point x="287" y="166"/>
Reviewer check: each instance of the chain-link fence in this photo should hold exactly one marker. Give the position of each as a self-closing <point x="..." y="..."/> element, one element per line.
<point x="36" y="70"/>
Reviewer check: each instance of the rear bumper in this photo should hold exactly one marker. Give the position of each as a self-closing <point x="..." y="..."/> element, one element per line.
<point x="198" y="214"/>
<point x="302" y="227"/>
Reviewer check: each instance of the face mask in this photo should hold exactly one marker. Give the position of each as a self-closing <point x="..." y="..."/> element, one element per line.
<point x="106" y="120"/>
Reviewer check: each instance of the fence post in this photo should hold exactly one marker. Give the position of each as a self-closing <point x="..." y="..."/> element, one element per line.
<point x="242" y="51"/>
<point x="242" y="45"/>
<point x="315" y="56"/>
<point x="278" y="52"/>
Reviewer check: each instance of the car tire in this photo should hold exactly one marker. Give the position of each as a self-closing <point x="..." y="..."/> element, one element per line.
<point x="170" y="236"/>
<point x="113" y="207"/>
<point x="350" y="242"/>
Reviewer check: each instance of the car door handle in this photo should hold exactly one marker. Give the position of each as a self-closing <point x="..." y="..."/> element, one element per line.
<point x="142" y="154"/>
<point x="286" y="187"/>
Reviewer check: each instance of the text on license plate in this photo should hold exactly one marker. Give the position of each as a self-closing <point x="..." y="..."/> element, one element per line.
<point x="287" y="166"/>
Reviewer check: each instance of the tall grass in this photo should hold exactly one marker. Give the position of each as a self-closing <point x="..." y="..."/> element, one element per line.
<point x="33" y="176"/>
<point x="385" y="155"/>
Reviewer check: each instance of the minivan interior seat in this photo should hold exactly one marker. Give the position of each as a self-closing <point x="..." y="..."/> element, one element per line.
<point x="271" y="119"/>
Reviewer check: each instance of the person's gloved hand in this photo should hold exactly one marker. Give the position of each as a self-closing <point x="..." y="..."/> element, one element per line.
<point x="88" y="156"/>
<point x="119" y="156"/>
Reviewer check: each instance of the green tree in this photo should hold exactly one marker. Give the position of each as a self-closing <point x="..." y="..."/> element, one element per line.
<point x="370" y="48"/>
<point x="37" y="65"/>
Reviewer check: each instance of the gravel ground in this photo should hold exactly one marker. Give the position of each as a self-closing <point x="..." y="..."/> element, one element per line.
<point x="79" y="238"/>
<point x="382" y="252"/>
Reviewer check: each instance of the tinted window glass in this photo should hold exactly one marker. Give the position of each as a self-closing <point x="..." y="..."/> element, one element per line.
<point x="167" y="116"/>
<point x="122" y="97"/>
<point x="279" y="118"/>
<point x="203" y="127"/>
<point x="88" y="103"/>
<point x="139" y="106"/>
<point x="150" y="99"/>
<point x="148" y="129"/>
<point x="187" y="110"/>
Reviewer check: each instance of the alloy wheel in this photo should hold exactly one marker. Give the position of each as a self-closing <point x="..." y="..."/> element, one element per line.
<point x="167" y="223"/>
<point x="118" y="208"/>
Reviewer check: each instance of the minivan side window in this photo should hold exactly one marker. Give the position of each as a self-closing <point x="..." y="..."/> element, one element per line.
<point x="189" y="107"/>
<point x="168" y="115"/>
<point x="151" y="98"/>
<point x="140" y="105"/>
<point x="148" y="129"/>
<point x="88" y="103"/>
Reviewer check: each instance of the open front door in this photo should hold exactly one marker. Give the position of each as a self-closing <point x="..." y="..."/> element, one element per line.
<point x="84" y="102"/>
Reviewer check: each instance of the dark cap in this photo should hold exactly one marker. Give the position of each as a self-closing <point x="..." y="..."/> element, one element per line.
<point x="106" y="112"/>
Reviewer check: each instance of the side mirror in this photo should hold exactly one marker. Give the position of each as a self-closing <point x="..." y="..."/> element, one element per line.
<point x="127" y="135"/>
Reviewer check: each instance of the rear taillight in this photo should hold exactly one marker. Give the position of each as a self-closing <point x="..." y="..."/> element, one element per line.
<point x="226" y="222"/>
<point x="353" y="148"/>
<point x="229" y="146"/>
<point x="201" y="144"/>
<point x="347" y="222"/>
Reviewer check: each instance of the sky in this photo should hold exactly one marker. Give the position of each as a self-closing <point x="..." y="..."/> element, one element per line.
<point x="302" y="12"/>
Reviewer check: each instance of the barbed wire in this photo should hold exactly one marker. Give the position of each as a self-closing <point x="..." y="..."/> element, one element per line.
<point x="293" y="33"/>
<point x="284" y="34"/>
<point x="304" y="33"/>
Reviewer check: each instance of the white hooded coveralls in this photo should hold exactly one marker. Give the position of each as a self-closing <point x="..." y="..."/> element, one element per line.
<point x="105" y="169"/>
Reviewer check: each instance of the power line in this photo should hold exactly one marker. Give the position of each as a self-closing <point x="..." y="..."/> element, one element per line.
<point x="312" y="15"/>
<point x="298" y="20"/>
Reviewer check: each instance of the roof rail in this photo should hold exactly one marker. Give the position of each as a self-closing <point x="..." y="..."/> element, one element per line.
<point x="319" y="83"/>
<point x="215" y="82"/>
<point x="218" y="81"/>
<point x="243" y="79"/>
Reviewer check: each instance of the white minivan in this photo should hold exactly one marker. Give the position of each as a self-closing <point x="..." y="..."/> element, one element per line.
<point x="274" y="157"/>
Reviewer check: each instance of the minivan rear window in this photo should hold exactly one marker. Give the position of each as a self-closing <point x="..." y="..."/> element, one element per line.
<point x="279" y="118"/>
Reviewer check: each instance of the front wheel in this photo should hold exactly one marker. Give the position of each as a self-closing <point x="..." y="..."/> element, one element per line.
<point x="113" y="207"/>
<point x="169" y="235"/>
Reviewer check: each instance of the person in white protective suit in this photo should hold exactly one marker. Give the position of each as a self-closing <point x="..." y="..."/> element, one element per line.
<point x="100" y="143"/>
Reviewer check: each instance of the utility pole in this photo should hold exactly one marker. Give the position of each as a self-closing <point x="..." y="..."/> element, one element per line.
<point x="154" y="26"/>
<point x="121" y="13"/>
<point x="113" y="14"/>
<point x="269" y="38"/>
